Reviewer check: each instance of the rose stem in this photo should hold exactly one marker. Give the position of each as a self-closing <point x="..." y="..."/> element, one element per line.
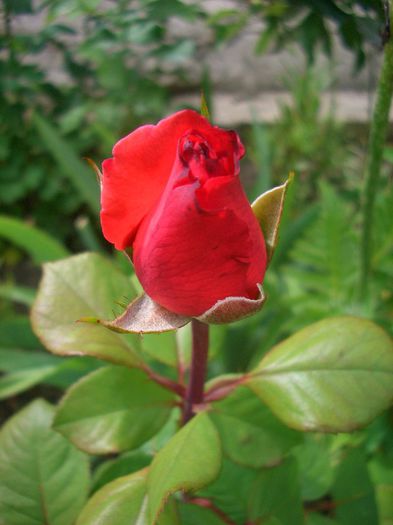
<point x="378" y="132"/>
<point x="200" y="349"/>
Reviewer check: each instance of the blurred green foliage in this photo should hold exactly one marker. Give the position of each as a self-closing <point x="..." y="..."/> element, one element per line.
<point x="111" y="63"/>
<point x="115" y="62"/>
<point x="309" y="23"/>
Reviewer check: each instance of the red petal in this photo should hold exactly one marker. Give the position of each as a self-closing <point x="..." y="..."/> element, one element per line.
<point x="199" y="245"/>
<point x="135" y="177"/>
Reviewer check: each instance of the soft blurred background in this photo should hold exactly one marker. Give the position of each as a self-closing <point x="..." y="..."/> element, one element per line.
<point x="296" y="78"/>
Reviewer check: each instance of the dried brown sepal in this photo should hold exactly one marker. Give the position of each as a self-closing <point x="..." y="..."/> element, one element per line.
<point x="233" y="309"/>
<point x="144" y="316"/>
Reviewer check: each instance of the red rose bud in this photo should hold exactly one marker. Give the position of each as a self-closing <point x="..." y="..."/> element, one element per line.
<point x="172" y="193"/>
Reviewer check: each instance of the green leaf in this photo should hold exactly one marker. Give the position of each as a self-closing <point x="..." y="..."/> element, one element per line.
<point x="268" y="209"/>
<point x="82" y="285"/>
<point x="161" y="347"/>
<point x="39" y="245"/>
<point x="381" y="472"/>
<point x="317" y="519"/>
<point x="204" y="107"/>
<point x="189" y="461"/>
<point x="123" y="502"/>
<point x="16" y="332"/>
<point x="123" y="465"/>
<point x="385" y="504"/>
<point x="333" y="376"/>
<point x="325" y="274"/>
<point x="24" y="369"/>
<point x="195" y="515"/>
<point x="14" y="360"/>
<point x="43" y="478"/>
<point x="315" y="465"/>
<point x="250" y="434"/>
<point x="264" y="40"/>
<point x="354" y="492"/>
<point x="230" y="492"/>
<point x="112" y="410"/>
<point x="69" y="163"/>
<point x="18" y="294"/>
<point x="14" y="383"/>
<point x="276" y="494"/>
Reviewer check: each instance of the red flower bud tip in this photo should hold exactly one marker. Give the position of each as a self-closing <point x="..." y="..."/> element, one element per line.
<point x="172" y="193"/>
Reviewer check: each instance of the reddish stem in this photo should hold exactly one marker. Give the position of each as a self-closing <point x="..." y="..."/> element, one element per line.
<point x="224" y="388"/>
<point x="165" y="382"/>
<point x="200" y="350"/>
<point x="208" y="504"/>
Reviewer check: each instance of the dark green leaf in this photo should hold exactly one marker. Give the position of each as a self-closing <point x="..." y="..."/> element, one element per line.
<point x="16" y="382"/>
<point x="317" y="519"/>
<point x="39" y="245"/>
<point x="251" y="435"/>
<point x="16" y="332"/>
<point x="354" y="492"/>
<point x="123" y="465"/>
<point x="276" y="493"/>
<point x="14" y="360"/>
<point x="233" y="480"/>
<point x="78" y="173"/>
<point x="24" y="369"/>
<point x="195" y="515"/>
<point x="315" y="465"/>
<point x="18" y="294"/>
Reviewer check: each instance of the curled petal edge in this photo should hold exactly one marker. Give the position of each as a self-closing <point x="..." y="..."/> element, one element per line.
<point x="145" y="316"/>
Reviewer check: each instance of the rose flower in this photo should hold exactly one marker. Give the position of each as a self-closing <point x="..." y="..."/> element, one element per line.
<point x="172" y="194"/>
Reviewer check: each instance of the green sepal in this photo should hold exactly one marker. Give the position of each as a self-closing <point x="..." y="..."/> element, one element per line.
<point x="268" y="209"/>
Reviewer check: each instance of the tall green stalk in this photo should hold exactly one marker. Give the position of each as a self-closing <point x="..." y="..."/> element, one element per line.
<point x="378" y="132"/>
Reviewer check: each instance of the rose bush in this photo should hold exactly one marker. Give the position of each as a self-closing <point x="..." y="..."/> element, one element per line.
<point x="172" y="194"/>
